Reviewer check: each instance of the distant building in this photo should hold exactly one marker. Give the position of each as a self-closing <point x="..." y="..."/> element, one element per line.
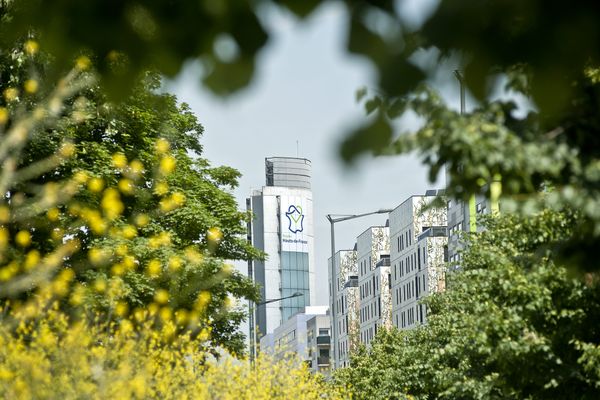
<point x="305" y="335"/>
<point x="283" y="228"/>
<point x="318" y="343"/>
<point x="373" y="258"/>
<point x="460" y="217"/>
<point x="418" y="254"/>
<point x="348" y="303"/>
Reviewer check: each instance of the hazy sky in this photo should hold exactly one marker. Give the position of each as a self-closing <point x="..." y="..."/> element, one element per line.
<point x="305" y="91"/>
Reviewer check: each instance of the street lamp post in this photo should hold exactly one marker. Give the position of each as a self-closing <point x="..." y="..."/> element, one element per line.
<point x="333" y="218"/>
<point x="252" y="318"/>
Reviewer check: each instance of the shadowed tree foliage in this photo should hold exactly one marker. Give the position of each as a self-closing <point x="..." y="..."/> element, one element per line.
<point x="541" y="48"/>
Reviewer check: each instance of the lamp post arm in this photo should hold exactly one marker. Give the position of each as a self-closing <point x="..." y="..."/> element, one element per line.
<point x="283" y="298"/>
<point x="333" y="219"/>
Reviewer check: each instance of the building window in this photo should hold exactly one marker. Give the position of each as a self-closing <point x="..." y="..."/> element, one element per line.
<point x="480" y="208"/>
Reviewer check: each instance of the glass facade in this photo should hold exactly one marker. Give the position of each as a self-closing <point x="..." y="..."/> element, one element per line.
<point x="294" y="278"/>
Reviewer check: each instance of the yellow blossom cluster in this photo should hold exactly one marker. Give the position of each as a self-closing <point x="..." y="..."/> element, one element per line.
<point x="53" y="357"/>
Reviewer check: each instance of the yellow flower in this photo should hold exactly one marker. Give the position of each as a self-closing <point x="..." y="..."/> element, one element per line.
<point x="167" y="165"/>
<point x="4" y="237"/>
<point x="119" y="160"/>
<point x="178" y="198"/>
<point x="129" y="262"/>
<point x="181" y="317"/>
<point x="4" y="214"/>
<point x="82" y="63"/>
<point x="165" y="314"/>
<point x="126" y="186"/>
<point x="11" y="94"/>
<point x="23" y="238"/>
<point x="153" y="268"/>
<point x="6" y="374"/>
<point x="162" y="146"/>
<point x="67" y="149"/>
<point x="203" y="300"/>
<point x="138" y="385"/>
<point x="141" y="220"/>
<point x="96" y="184"/>
<point x="81" y="177"/>
<point x="204" y="335"/>
<point x="161" y="296"/>
<point x="117" y="269"/>
<point x="121" y="249"/>
<point x="53" y="214"/>
<point x="193" y="255"/>
<point x="121" y="309"/>
<point x="9" y="271"/>
<point x="111" y="203"/>
<point x="97" y="256"/>
<point x="161" y="188"/>
<point x="31" y="86"/>
<point x="57" y="234"/>
<point x="3" y="115"/>
<point x="31" y="47"/>
<point x="214" y="234"/>
<point x="136" y="167"/>
<point x="100" y="285"/>
<point x="175" y="263"/>
<point x="32" y="259"/>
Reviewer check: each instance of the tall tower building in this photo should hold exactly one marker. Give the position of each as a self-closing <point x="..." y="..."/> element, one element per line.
<point x="283" y="228"/>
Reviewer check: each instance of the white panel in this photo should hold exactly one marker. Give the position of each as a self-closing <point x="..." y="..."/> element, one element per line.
<point x="294" y="223"/>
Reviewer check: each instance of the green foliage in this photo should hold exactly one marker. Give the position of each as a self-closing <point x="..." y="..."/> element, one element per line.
<point x="513" y="324"/>
<point x="127" y="37"/>
<point x="143" y="199"/>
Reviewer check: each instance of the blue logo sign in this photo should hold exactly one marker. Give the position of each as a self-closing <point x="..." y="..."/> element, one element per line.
<point x="296" y="217"/>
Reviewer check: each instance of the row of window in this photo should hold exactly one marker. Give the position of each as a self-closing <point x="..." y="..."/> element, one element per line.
<point x="408" y="317"/>
<point x="371" y="310"/>
<point x="411" y="289"/>
<point x="365" y="267"/>
<point x="455" y="258"/>
<point x="343" y="349"/>
<point x="286" y="339"/>
<point x="404" y="240"/>
<point x="368" y="334"/>
<point x="456" y="228"/>
<point x="370" y="287"/>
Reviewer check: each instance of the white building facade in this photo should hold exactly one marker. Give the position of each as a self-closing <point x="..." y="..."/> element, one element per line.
<point x="373" y="252"/>
<point x="318" y="343"/>
<point x="291" y="339"/>
<point x="347" y="305"/>
<point x="418" y="234"/>
<point x="282" y="227"/>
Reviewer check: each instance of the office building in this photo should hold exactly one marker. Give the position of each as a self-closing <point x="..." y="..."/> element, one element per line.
<point x="305" y="335"/>
<point x="347" y="300"/>
<point x="418" y="254"/>
<point x="282" y="227"/>
<point x="373" y="259"/>
<point x="318" y="344"/>
<point x="462" y="218"/>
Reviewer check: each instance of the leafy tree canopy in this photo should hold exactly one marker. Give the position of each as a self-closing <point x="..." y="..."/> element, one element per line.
<point x="150" y="217"/>
<point x="514" y="324"/>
